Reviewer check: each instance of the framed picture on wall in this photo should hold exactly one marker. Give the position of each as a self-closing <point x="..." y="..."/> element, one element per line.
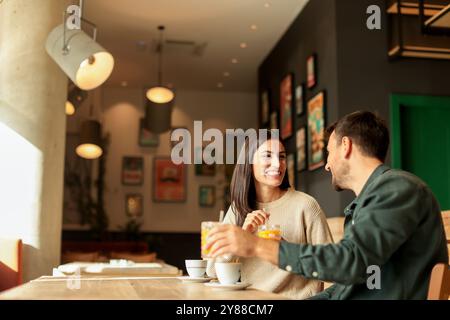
<point x="274" y="120"/>
<point x="132" y="171"/>
<point x="311" y="69"/>
<point x="316" y="131"/>
<point x="169" y="180"/>
<point x="301" y="149"/>
<point x="286" y="107"/>
<point x="146" y="137"/>
<point x="299" y="100"/>
<point x="133" y="205"/>
<point x="207" y="196"/>
<point x="265" y="107"/>
<point x="291" y="169"/>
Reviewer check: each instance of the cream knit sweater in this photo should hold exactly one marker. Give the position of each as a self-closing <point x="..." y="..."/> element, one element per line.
<point x="302" y="221"/>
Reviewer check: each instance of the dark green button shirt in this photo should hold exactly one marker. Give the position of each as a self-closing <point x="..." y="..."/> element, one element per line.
<point x="395" y="223"/>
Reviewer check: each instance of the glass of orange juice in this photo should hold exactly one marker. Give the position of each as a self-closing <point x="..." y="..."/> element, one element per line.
<point x="270" y="231"/>
<point x="206" y="226"/>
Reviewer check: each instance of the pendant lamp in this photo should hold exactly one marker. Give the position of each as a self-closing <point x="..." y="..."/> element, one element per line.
<point x="75" y="98"/>
<point x="159" y="93"/>
<point x="90" y="145"/>
<point x="158" y="116"/>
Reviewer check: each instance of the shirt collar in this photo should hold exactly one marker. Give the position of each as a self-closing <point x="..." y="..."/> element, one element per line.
<point x="382" y="168"/>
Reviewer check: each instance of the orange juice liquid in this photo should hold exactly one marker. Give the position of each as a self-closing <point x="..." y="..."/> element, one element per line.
<point x="270" y="234"/>
<point x="206" y="227"/>
<point x="204" y="234"/>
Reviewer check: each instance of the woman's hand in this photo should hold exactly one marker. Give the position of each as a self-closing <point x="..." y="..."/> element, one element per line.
<point x="254" y="220"/>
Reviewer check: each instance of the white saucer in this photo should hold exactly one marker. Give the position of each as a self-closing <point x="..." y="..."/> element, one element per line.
<point x="194" y="279"/>
<point x="236" y="286"/>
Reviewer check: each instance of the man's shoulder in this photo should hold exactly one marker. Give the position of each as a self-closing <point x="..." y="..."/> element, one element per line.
<point x="400" y="178"/>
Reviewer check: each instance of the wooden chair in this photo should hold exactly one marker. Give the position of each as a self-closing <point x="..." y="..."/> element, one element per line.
<point x="10" y="263"/>
<point x="439" y="288"/>
<point x="446" y="221"/>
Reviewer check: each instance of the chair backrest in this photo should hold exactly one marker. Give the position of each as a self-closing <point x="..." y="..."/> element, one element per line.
<point x="336" y="225"/>
<point x="10" y="263"/>
<point x="439" y="288"/>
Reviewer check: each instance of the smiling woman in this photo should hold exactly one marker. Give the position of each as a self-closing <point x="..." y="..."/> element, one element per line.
<point x="261" y="195"/>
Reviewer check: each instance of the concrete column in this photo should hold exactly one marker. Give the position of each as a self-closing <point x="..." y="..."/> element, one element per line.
<point x="33" y="91"/>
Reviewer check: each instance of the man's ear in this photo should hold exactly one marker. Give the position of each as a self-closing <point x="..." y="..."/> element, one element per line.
<point x="346" y="147"/>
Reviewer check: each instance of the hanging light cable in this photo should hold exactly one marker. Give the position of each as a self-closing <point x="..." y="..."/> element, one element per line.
<point x="159" y="93"/>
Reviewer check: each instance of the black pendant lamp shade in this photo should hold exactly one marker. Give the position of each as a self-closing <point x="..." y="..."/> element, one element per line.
<point x="158" y="116"/>
<point x="90" y="146"/>
<point x="74" y="100"/>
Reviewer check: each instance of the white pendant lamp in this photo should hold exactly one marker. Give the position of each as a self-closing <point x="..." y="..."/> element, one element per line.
<point x="159" y="93"/>
<point x="81" y="58"/>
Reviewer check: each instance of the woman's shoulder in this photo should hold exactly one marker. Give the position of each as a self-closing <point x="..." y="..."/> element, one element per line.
<point x="304" y="197"/>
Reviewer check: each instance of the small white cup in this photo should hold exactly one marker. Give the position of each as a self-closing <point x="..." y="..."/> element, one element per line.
<point x="196" y="268"/>
<point x="228" y="272"/>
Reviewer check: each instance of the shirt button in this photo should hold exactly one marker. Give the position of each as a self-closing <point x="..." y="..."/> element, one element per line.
<point x="288" y="268"/>
<point x="315" y="274"/>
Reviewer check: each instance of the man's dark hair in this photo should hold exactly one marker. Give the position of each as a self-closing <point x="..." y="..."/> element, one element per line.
<point x="366" y="129"/>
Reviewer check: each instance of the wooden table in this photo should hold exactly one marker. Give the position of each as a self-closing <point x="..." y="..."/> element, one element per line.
<point x="131" y="288"/>
<point x="107" y="269"/>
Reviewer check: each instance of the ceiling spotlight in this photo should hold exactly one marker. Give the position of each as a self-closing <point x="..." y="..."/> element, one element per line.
<point x="243" y="45"/>
<point x="81" y="58"/>
<point x="253" y="27"/>
<point x="266" y="5"/>
<point x="220" y="85"/>
<point x="234" y="60"/>
<point x="124" y="84"/>
<point x="226" y="74"/>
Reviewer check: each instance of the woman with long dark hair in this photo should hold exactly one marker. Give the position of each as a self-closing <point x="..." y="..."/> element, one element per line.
<point x="261" y="194"/>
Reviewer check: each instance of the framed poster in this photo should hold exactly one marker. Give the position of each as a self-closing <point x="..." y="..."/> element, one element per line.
<point x="146" y="137"/>
<point x="299" y="98"/>
<point x="301" y="149"/>
<point x="316" y="130"/>
<point x="311" y="68"/>
<point x="133" y="205"/>
<point x="169" y="180"/>
<point x="286" y="107"/>
<point x="265" y="107"/>
<point x="132" y="171"/>
<point x="291" y="169"/>
<point x="207" y="196"/>
<point x="274" y="120"/>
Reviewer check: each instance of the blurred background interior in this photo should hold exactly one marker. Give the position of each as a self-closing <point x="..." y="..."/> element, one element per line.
<point x="85" y="172"/>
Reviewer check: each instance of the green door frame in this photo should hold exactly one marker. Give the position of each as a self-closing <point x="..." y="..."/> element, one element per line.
<point x="397" y="100"/>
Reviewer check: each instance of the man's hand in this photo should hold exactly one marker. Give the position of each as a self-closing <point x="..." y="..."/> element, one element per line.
<point x="230" y="239"/>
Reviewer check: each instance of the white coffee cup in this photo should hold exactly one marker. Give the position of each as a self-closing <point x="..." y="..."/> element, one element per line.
<point x="196" y="268"/>
<point x="228" y="272"/>
<point x="210" y="268"/>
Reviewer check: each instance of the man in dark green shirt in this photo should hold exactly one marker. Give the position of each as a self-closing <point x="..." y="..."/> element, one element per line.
<point x="393" y="232"/>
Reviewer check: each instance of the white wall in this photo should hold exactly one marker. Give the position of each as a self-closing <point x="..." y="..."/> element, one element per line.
<point x="122" y="109"/>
